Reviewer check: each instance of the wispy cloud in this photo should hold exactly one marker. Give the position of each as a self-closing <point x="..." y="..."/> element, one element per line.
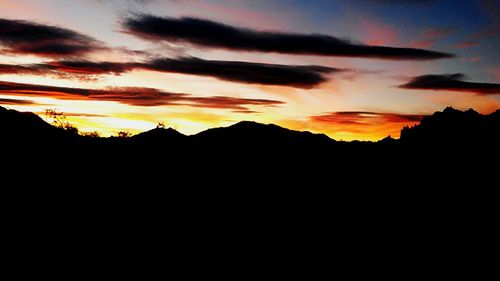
<point x="212" y="34"/>
<point x="299" y="76"/>
<point x="5" y="101"/>
<point x="364" y="117"/>
<point x="451" y="82"/>
<point x="136" y="97"/>
<point x="30" y="38"/>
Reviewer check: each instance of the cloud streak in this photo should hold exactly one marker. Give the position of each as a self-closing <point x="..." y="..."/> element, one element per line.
<point x="27" y="69"/>
<point x="364" y="118"/>
<point x="212" y="34"/>
<point x="298" y="76"/>
<point x="136" y="97"/>
<point x="79" y="70"/>
<point x="82" y="67"/>
<point x="30" y="38"/>
<point x="5" y="101"/>
<point x="450" y="82"/>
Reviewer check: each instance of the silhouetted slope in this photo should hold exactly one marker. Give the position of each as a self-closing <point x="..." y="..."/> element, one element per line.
<point x="27" y="127"/>
<point x="454" y="127"/>
<point x="448" y="128"/>
<point x="159" y="136"/>
<point x="252" y="134"/>
<point x="247" y="151"/>
<point x="388" y="141"/>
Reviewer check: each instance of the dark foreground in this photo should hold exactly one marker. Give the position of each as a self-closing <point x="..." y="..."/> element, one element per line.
<point x="445" y="141"/>
<point x="434" y="188"/>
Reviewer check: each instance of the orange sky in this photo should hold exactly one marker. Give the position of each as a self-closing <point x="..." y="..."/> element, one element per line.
<point x="362" y="101"/>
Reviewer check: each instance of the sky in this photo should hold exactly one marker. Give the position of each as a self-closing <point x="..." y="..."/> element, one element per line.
<point x="351" y="69"/>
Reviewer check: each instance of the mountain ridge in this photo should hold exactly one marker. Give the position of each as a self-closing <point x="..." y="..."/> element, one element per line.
<point x="443" y="126"/>
<point x="454" y="126"/>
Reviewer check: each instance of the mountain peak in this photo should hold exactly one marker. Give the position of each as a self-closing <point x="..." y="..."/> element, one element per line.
<point x="450" y="109"/>
<point x="158" y="135"/>
<point x="388" y="140"/>
<point x="249" y="124"/>
<point x="252" y="133"/>
<point x="453" y="126"/>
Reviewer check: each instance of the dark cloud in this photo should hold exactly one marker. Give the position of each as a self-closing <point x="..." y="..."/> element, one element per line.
<point x="91" y="67"/>
<point x="40" y="90"/>
<point x="5" y="101"/>
<point x="27" y="69"/>
<point x="450" y="82"/>
<point x="238" y="105"/>
<point x="69" y="69"/>
<point x="217" y="35"/>
<point x="364" y="117"/>
<point x="299" y="76"/>
<point x="135" y="96"/>
<point x="25" y="37"/>
<point x="245" y="72"/>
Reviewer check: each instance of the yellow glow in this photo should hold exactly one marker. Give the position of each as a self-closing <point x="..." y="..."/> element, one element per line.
<point x="111" y="117"/>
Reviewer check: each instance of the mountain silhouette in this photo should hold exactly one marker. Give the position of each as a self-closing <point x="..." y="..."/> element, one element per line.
<point x="159" y="136"/>
<point x="252" y="134"/>
<point x="446" y="146"/>
<point x="448" y="128"/>
<point x="26" y="127"/>
<point x="454" y="127"/>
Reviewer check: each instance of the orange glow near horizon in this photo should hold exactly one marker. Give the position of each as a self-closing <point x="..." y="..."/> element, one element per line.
<point x="109" y="118"/>
<point x="350" y="97"/>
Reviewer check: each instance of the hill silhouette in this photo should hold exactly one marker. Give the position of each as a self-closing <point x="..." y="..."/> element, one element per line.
<point x="454" y="127"/>
<point x="252" y="134"/>
<point x="28" y="128"/>
<point x="159" y="136"/>
<point x="448" y="128"/>
<point x="446" y="146"/>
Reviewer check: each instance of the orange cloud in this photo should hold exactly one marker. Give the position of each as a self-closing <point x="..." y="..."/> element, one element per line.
<point x="356" y="125"/>
<point x="136" y="97"/>
<point x="365" y="122"/>
<point x="364" y="117"/>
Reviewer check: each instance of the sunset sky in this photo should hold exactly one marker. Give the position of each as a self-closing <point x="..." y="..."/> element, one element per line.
<point x="352" y="69"/>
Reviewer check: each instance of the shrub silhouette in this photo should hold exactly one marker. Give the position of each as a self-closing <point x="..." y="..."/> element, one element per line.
<point x="450" y="129"/>
<point x="59" y="120"/>
<point x="124" y="134"/>
<point x="94" y="134"/>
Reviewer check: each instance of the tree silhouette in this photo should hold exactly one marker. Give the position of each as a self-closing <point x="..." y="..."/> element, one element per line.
<point x="124" y="134"/>
<point x="94" y="134"/>
<point x="59" y="120"/>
